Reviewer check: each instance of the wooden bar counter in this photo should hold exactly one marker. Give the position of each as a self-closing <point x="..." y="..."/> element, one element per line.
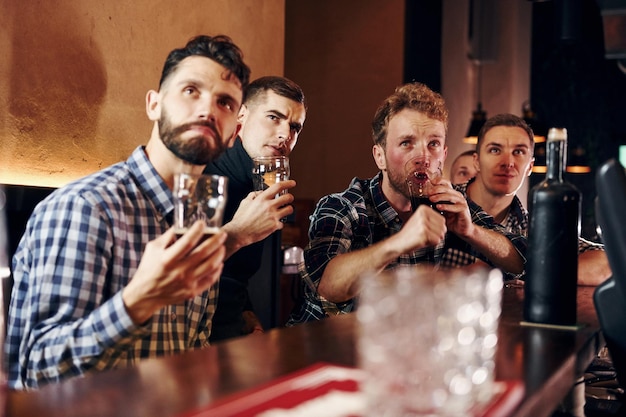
<point x="547" y="360"/>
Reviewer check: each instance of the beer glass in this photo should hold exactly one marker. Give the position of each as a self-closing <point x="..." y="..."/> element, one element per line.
<point x="421" y="173"/>
<point x="268" y="170"/>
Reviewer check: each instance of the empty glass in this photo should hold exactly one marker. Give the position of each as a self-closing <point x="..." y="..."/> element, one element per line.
<point x="199" y="197"/>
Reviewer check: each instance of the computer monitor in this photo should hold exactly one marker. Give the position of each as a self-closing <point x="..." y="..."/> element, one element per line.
<point x="610" y="296"/>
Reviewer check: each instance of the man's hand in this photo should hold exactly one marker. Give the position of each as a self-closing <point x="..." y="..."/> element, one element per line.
<point x="593" y="267"/>
<point x="425" y="228"/>
<point x="453" y="205"/>
<point x="494" y="246"/>
<point x="258" y="216"/>
<point x="252" y="323"/>
<point x="171" y="271"/>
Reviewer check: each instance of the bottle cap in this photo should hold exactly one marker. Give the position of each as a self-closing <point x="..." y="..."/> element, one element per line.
<point x="557" y="133"/>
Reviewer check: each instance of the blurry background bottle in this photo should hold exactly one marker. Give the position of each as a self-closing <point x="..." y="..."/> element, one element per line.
<point x="552" y="257"/>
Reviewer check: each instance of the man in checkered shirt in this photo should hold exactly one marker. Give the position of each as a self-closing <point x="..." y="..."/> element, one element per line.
<point x="371" y="226"/>
<point x="100" y="279"/>
<point x="503" y="159"/>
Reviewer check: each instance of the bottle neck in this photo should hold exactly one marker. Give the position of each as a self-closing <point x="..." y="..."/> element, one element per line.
<point x="556" y="159"/>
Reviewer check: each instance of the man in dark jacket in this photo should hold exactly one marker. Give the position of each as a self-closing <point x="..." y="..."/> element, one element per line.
<point x="271" y="119"/>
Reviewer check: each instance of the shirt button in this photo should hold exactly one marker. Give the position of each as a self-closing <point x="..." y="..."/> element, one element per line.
<point x="173" y="316"/>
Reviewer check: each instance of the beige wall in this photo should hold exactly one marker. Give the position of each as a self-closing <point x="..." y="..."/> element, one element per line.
<point x="73" y="82"/>
<point x="74" y="74"/>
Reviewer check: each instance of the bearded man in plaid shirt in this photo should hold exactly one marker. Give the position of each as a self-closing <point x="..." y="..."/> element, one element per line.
<point x="100" y="279"/>
<point x="371" y="227"/>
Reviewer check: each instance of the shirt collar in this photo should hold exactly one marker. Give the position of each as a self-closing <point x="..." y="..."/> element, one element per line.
<point x="235" y="163"/>
<point x="462" y="188"/>
<point x="517" y="216"/>
<point x="150" y="182"/>
<point x="381" y="205"/>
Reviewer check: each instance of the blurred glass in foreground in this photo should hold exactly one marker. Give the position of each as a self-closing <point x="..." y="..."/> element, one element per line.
<point x="427" y="340"/>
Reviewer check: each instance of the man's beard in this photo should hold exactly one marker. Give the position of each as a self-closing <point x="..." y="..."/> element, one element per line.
<point x="196" y="150"/>
<point x="398" y="182"/>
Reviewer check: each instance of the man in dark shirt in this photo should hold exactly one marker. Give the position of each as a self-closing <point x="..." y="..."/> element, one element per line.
<point x="271" y="119"/>
<point x="503" y="160"/>
<point x="371" y="226"/>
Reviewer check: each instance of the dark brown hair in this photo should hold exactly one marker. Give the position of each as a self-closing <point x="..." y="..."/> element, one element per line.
<point x="505" y="119"/>
<point x="282" y="86"/>
<point x="220" y="49"/>
<point x="414" y="96"/>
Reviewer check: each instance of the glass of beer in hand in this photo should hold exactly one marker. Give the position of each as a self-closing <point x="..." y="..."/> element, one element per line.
<point x="421" y="173"/>
<point x="199" y="197"/>
<point x="268" y="170"/>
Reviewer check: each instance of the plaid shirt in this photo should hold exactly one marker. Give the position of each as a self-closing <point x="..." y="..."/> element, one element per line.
<point x="514" y="224"/>
<point x="81" y="247"/>
<point x="516" y="221"/>
<point x="460" y="253"/>
<point x="361" y="216"/>
<point x="344" y="222"/>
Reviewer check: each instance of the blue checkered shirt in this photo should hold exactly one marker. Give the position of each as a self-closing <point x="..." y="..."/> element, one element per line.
<point x="81" y="247"/>
<point x="344" y="222"/>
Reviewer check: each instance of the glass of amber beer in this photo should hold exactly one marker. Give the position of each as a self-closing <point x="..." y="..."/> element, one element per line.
<point x="268" y="170"/>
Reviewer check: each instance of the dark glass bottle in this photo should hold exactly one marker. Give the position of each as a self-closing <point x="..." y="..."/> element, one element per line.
<point x="552" y="257"/>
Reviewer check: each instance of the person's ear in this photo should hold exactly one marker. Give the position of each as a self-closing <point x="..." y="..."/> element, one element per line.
<point x="231" y="142"/>
<point x="153" y="105"/>
<point x="475" y="161"/>
<point x="379" y="157"/>
<point x="530" y="167"/>
<point x="243" y="114"/>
